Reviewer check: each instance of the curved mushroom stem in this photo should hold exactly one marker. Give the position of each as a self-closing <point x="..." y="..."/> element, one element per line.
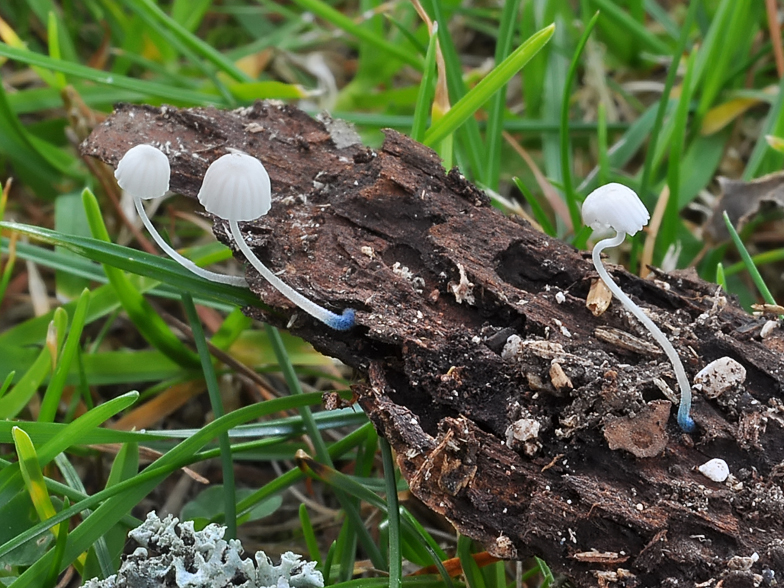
<point x="339" y="322"/>
<point x="684" y="419"/>
<point x="186" y="263"/>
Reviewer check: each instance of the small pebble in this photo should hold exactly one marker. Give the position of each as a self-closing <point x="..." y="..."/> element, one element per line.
<point x="715" y="469"/>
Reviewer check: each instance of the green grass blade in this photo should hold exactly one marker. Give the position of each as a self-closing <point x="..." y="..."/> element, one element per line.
<point x="601" y="139"/>
<point x="468" y="134"/>
<point x="668" y="230"/>
<point x="53" y="35"/>
<point x="325" y="11"/>
<point x="311" y="541"/>
<point x="749" y="262"/>
<point x="58" y="552"/>
<point x="393" y="514"/>
<point x="42" y="433"/>
<point x="12" y="403"/>
<point x="495" y="113"/>
<point x="721" y="278"/>
<point x="566" y="160"/>
<point x="69" y="219"/>
<point x="547" y="575"/>
<point x="39" y="163"/>
<point x="54" y="391"/>
<point x="227" y="465"/>
<point x="32" y="476"/>
<point x="614" y="12"/>
<point x="8" y="268"/>
<point x="482" y="92"/>
<point x="153" y="89"/>
<point x="138" y="262"/>
<point x="771" y="256"/>
<point x="471" y="571"/>
<point x="6" y="383"/>
<point x="426" y="89"/>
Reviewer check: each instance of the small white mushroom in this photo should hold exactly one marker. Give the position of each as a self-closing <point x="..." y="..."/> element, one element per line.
<point x="614" y="206"/>
<point x="144" y="172"/>
<point x="715" y="469"/>
<point x="237" y="188"/>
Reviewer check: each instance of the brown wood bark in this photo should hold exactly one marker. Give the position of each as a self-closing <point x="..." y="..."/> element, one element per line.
<point x="511" y="441"/>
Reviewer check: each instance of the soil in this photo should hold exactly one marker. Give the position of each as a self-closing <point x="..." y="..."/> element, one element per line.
<point x="534" y="426"/>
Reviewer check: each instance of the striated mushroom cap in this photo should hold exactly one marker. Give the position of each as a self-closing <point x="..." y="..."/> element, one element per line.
<point x="236" y="187"/>
<point x="144" y="172"/>
<point x="617" y="207"/>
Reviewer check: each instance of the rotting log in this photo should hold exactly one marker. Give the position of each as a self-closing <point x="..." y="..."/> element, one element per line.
<point x="534" y="426"/>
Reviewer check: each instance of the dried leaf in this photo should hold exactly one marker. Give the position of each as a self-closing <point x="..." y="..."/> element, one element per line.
<point x="743" y="201"/>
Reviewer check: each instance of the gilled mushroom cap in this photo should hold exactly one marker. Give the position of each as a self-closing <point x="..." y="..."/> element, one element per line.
<point x="144" y="172"/>
<point x="236" y="187"/>
<point x="615" y="206"/>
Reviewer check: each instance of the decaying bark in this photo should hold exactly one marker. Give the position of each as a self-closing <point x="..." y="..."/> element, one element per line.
<point x="533" y="425"/>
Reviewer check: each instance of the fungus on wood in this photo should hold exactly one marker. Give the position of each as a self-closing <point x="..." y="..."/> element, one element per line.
<point x="462" y="314"/>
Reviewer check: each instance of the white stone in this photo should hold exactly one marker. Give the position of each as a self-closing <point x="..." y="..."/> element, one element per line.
<point x="767" y="329"/>
<point x="715" y="469"/>
<point x="522" y="430"/>
<point x="719" y="376"/>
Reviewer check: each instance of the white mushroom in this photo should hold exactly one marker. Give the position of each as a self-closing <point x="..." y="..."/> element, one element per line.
<point x="237" y="188"/>
<point x="143" y="172"/>
<point x="619" y="208"/>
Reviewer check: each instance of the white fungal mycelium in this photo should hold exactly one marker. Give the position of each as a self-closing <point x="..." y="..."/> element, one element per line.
<point x="715" y="469"/>
<point x="616" y="207"/>
<point x="237" y="188"/>
<point x="144" y="172"/>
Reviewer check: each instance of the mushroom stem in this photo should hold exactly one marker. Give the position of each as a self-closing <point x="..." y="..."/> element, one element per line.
<point x="339" y="322"/>
<point x="183" y="261"/>
<point x="684" y="419"/>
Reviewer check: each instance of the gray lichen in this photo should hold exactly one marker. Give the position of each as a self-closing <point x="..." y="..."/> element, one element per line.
<point x="173" y="554"/>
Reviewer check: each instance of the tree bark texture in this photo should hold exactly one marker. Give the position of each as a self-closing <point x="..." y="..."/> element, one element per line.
<point x="534" y="426"/>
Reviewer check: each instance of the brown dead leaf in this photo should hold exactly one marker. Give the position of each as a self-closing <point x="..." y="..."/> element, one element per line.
<point x="743" y="201"/>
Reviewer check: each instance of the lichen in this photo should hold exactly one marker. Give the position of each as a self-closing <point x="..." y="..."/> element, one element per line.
<point x="203" y="559"/>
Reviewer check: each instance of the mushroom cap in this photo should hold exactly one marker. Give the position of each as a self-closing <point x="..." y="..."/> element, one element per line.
<point x="144" y="172"/>
<point x="236" y="187"/>
<point x="617" y="207"/>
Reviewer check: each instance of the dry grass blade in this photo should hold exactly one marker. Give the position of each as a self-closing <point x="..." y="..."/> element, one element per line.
<point x="653" y="229"/>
